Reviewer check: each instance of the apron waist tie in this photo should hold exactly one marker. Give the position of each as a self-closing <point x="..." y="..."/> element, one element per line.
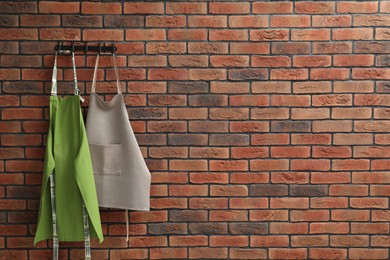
<point x="127" y="225"/>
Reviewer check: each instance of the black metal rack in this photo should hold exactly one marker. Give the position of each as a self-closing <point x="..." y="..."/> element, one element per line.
<point x="101" y="47"/>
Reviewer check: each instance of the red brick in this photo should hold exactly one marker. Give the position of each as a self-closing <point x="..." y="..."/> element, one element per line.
<point x="329" y="74"/>
<point x="145" y="35"/>
<point x="350" y="215"/>
<point x="168" y="152"/>
<point x="357" y="86"/>
<point x="168" y="253"/>
<point x="249" y="126"/>
<point x="351" y="113"/>
<point x="294" y="253"/>
<point x="349" y="240"/>
<point x="188" y="165"/>
<point x="270" y="61"/>
<point x="249" y="152"/>
<point x="331" y="178"/>
<point x="312" y="61"/>
<point x="352" y="34"/>
<point x="188" y="61"/>
<point x="128" y="253"/>
<point x="248" y="203"/>
<point x="229" y="61"/>
<point x="333" y="47"/>
<point x="310" y="165"/>
<point x="289" y="74"/>
<point x="369" y="228"/>
<point x="310" y="240"/>
<point x="230" y="241"/>
<point x="331" y="152"/>
<point x="13" y="178"/>
<point x="168" y="126"/>
<point x="270" y="113"/>
<point x="357" y="7"/>
<point x="164" y="203"/>
<point x="228" y="35"/>
<point x="245" y="21"/>
<point x="290" y="203"/>
<point x="353" y="60"/>
<point x="106" y="35"/>
<point x="186" y="8"/>
<point x="101" y="8"/>
<point x="312" y="113"/>
<point x="369" y="202"/>
<point x="187" y="113"/>
<point x="143" y="8"/>
<point x="332" y="126"/>
<point x="228" y="8"/>
<point x="329" y="228"/>
<point x="350" y="164"/>
<point x="331" y="21"/>
<point x="59" y="7"/>
<point x="269" y="241"/>
<point x="290" y="152"/>
<point x="315" y="8"/>
<point x="249" y="48"/>
<point x="208" y="203"/>
<point x="188" y="240"/>
<point x="327" y="253"/>
<point x="228" y="165"/>
<point x="165" y="21"/>
<point x="309" y="215"/>
<point x="207" y="21"/>
<point x="378" y="190"/>
<point x="269" y="165"/>
<point x="150" y="241"/>
<point x="329" y="202"/>
<point x="380" y="215"/>
<point x="187" y="34"/>
<point x="188" y="190"/>
<point x="209" y="178"/>
<point x="244" y="253"/>
<point x="310" y="139"/>
<point x="290" y="177"/>
<point x="283" y="100"/>
<point x="348" y="190"/>
<point x="366" y="253"/>
<point x="207" y="74"/>
<point x="207" y="253"/>
<point x="269" y="139"/>
<point x="272" y="8"/>
<point x="310" y="35"/>
<point x="290" y="21"/>
<point x="212" y="48"/>
<point x="60" y="34"/>
<point x="10" y="204"/>
<point x="152" y="216"/>
<point x="269" y="35"/>
<point x="225" y="191"/>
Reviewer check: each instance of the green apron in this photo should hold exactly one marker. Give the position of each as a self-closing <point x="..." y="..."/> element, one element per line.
<point x="69" y="208"/>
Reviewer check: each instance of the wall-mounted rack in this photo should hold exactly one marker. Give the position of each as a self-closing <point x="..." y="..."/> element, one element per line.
<point x="101" y="48"/>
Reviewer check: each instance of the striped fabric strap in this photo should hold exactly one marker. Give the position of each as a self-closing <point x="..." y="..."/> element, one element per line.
<point x="54" y="217"/>
<point x="87" y="238"/>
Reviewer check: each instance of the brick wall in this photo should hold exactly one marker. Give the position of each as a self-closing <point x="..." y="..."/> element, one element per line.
<point x="264" y="124"/>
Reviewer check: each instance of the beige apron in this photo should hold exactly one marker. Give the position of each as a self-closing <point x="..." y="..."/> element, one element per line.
<point x="121" y="175"/>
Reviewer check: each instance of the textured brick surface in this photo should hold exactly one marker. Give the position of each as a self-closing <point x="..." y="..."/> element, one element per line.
<point x="265" y="124"/>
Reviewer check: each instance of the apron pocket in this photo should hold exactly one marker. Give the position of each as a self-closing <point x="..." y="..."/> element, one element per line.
<point x="106" y="159"/>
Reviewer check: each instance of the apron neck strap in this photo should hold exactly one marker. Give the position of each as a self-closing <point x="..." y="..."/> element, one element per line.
<point x="54" y="76"/>
<point x="93" y="90"/>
